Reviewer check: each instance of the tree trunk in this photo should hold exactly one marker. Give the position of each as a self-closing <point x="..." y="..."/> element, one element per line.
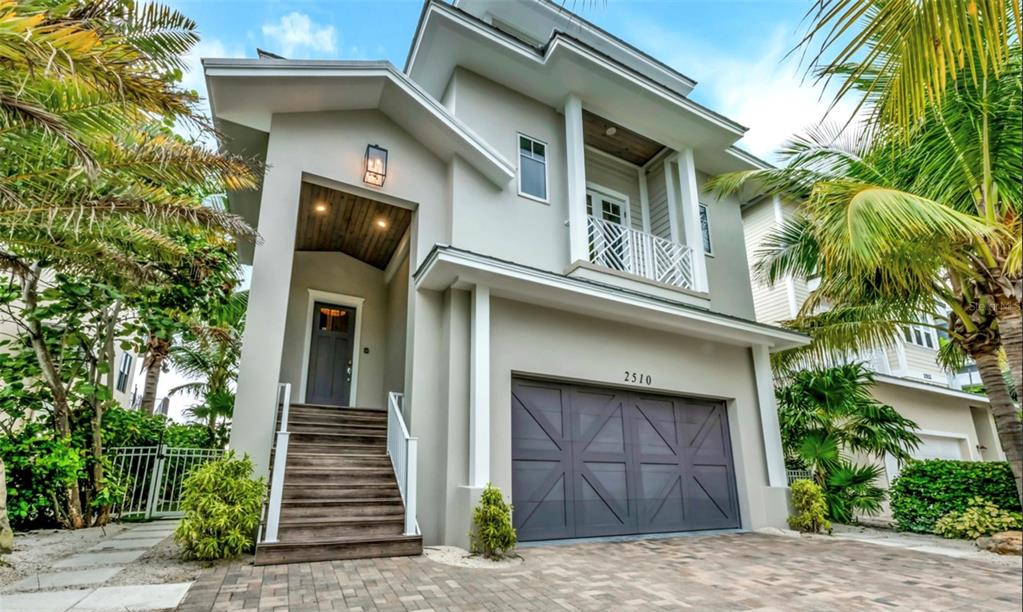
<point x="61" y="407"/>
<point x="1010" y="430"/>
<point x="6" y="534"/>
<point x="1010" y="328"/>
<point x="154" y="363"/>
<point x="103" y="514"/>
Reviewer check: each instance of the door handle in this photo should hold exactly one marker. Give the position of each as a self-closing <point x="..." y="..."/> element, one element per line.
<point x="348" y="372"/>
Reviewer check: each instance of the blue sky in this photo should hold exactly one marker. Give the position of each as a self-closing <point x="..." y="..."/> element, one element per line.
<point x="735" y="49"/>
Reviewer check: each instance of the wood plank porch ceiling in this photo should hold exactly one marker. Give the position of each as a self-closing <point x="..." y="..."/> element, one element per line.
<point x="623" y="143"/>
<point x="366" y="229"/>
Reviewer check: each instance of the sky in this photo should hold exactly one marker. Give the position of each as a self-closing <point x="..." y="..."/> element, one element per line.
<point x="736" y="50"/>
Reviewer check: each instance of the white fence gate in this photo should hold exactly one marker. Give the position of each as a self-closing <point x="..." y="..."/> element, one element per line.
<point x="153" y="476"/>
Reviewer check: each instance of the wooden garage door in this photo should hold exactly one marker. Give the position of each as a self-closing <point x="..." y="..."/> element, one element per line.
<point x="589" y="461"/>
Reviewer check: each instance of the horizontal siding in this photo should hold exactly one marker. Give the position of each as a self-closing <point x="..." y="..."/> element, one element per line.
<point x="657" y="192"/>
<point x="922" y="363"/>
<point x="619" y="177"/>
<point x="771" y="303"/>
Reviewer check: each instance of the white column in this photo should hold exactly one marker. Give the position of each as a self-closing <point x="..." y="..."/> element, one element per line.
<point x="690" y="206"/>
<point x="260" y="365"/>
<point x="671" y="195"/>
<point x="479" y="388"/>
<point x="644" y="200"/>
<point x="576" y="177"/>
<point x="773" y="454"/>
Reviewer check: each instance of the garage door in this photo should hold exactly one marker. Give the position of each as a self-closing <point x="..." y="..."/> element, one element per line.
<point x="590" y="461"/>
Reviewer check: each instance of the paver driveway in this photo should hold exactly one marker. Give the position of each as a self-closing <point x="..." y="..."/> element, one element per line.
<point x="740" y="571"/>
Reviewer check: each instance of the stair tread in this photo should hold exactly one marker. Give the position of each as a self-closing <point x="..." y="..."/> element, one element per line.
<point x="358" y="469"/>
<point x="365" y="539"/>
<point x="338" y="408"/>
<point x="340" y="501"/>
<point x="341" y="520"/>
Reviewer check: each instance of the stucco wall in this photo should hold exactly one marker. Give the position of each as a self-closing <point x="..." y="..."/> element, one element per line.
<point x="532" y="340"/>
<point x="727" y="269"/>
<point x="396" y="329"/>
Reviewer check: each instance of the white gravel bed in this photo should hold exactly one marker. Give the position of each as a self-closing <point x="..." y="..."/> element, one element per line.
<point x="37" y="551"/>
<point x="459" y="557"/>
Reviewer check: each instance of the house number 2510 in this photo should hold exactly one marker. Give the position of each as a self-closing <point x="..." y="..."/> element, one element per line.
<point x="637" y="377"/>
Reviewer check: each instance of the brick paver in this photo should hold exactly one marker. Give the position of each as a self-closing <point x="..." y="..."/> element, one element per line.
<point x="741" y="571"/>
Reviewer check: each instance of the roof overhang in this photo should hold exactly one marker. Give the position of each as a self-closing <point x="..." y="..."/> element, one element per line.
<point x="448" y="38"/>
<point x="448" y="266"/>
<point x="248" y="92"/>
<point x="905" y="383"/>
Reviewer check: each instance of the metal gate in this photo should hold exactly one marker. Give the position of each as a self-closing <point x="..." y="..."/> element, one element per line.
<point x="153" y="476"/>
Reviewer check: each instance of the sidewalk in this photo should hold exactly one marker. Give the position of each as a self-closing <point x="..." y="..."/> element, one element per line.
<point x="75" y="582"/>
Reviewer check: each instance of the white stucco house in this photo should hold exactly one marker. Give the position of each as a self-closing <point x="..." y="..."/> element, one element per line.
<point x="953" y="423"/>
<point x="498" y="264"/>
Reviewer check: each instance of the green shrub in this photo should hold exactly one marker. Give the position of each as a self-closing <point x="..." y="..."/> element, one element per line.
<point x="38" y="465"/>
<point x="493" y="535"/>
<point x="811" y="509"/>
<point x="123" y="427"/>
<point x="981" y="518"/>
<point x="928" y="490"/>
<point x="222" y="504"/>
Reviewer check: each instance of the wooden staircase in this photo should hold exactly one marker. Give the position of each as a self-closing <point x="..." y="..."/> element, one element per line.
<point x="341" y="500"/>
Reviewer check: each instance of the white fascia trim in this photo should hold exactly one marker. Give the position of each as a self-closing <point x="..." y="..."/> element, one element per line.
<point x="783" y="339"/>
<point x="922" y="386"/>
<point x="288" y="68"/>
<point x="560" y="41"/>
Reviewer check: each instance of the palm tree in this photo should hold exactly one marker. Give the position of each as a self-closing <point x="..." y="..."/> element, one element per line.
<point x="827" y="413"/>
<point x="211" y="354"/>
<point x="896" y="228"/>
<point x="92" y="180"/>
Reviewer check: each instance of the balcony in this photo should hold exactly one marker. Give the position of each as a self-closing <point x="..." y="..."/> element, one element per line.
<point x="621" y="248"/>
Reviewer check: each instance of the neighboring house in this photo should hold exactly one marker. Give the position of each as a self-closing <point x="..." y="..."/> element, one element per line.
<point x="954" y="424"/>
<point x="514" y="233"/>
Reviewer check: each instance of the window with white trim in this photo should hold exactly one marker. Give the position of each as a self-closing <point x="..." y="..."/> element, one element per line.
<point x="920" y="335"/>
<point x="708" y="246"/>
<point x="124" y="372"/>
<point x="532" y="168"/>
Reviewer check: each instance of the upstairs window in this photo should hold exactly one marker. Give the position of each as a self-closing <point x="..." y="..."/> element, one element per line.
<point x="123" y="372"/>
<point x="920" y="335"/>
<point x="532" y="168"/>
<point x="708" y="246"/>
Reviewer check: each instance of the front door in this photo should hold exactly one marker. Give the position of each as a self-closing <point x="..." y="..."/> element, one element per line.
<point x="331" y="349"/>
<point x="609" y="241"/>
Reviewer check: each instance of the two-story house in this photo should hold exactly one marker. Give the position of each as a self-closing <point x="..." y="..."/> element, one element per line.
<point x="505" y="257"/>
<point x="953" y="423"/>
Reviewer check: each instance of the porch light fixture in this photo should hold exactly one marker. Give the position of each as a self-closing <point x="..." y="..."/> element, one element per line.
<point x="382" y="223"/>
<point x="376" y="165"/>
<point x="321" y="207"/>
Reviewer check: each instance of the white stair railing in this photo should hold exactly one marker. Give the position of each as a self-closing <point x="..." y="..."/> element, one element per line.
<point x="280" y="460"/>
<point x="618" y="247"/>
<point x="402" y="448"/>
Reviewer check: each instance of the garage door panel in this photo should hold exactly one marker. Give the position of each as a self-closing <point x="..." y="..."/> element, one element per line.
<point x="591" y="461"/>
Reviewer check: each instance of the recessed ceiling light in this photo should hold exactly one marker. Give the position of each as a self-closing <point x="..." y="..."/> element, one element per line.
<point x="611" y="130"/>
<point x="321" y="207"/>
<point x="382" y="223"/>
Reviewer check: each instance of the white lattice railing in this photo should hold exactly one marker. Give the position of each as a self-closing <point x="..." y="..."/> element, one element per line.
<point x="622" y="248"/>
<point x="401" y="448"/>
<point x="282" y="403"/>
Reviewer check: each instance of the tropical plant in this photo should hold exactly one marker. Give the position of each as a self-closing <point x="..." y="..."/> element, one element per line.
<point x="492" y="535"/>
<point x="93" y="182"/>
<point x="222" y="504"/>
<point x="898" y="228"/>
<point x="211" y="354"/>
<point x="927" y="490"/>
<point x="981" y="518"/>
<point x="827" y="414"/>
<point x="811" y="511"/>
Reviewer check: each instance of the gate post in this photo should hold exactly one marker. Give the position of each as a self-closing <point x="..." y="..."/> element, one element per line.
<point x="155" y="481"/>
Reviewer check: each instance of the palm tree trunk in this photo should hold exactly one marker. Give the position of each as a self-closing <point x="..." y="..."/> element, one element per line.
<point x="1010" y="328"/>
<point x="1010" y="429"/>
<point x="158" y="350"/>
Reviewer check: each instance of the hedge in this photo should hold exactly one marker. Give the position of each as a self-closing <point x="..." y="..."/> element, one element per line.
<point x="927" y="490"/>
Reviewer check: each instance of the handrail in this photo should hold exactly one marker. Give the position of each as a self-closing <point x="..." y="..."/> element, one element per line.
<point x="618" y="247"/>
<point x="402" y="449"/>
<point x="280" y="461"/>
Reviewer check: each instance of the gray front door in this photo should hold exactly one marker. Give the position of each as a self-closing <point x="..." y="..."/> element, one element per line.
<point x="330" y="355"/>
<point x="590" y="461"/>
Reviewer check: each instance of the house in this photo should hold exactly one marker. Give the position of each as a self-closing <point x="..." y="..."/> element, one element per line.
<point x="497" y="265"/>
<point x="953" y="423"/>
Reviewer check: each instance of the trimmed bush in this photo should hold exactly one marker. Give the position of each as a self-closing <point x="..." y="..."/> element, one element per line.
<point x="493" y="535"/>
<point x="222" y="504"/>
<point x="981" y="518"/>
<point x="811" y="509"/>
<point x="927" y="490"/>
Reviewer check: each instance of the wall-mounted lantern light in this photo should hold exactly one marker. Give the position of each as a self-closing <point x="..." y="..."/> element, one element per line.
<point x="376" y="165"/>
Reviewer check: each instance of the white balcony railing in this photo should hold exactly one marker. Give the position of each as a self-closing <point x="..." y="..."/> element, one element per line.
<point x="272" y="518"/>
<point x="402" y="448"/>
<point x="622" y="248"/>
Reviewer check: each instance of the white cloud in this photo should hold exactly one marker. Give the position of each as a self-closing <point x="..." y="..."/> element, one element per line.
<point x="297" y="31"/>
<point x="762" y="90"/>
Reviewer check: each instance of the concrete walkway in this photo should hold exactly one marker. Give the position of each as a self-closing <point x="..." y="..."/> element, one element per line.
<point x="74" y="582"/>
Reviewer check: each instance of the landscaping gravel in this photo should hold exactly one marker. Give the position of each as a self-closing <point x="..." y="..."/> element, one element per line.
<point x="459" y="557"/>
<point x="37" y="551"/>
